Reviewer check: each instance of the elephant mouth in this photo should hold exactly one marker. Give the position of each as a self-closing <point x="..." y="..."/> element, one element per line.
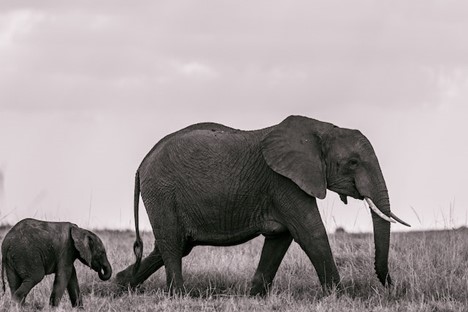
<point x="344" y="187"/>
<point x="344" y="192"/>
<point x="344" y="197"/>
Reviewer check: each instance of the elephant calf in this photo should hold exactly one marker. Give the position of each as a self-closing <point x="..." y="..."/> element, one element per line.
<point x="34" y="248"/>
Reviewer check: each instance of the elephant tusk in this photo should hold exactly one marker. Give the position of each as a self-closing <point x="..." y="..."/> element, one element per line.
<point x="377" y="211"/>
<point x="398" y="219"/>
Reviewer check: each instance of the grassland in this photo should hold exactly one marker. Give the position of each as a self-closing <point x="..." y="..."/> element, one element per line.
<point x="429" y="269"/>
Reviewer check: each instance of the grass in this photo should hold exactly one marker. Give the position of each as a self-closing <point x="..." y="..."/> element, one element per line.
<point x="429" y="270"/>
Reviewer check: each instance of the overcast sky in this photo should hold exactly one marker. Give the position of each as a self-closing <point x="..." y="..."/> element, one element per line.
<point x="87" y="88"/>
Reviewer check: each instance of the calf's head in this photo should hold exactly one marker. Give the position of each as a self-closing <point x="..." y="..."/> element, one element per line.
<point x="91" y="251"/>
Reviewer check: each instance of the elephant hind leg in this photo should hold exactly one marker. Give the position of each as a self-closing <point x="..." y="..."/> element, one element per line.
<point x="148" y="266"/>
<point x="26" y="285"/>
<point x="170" y="237"/>
<point x="173" y="265"/>
<point x="14" y="280"/>
<point x="274" y="249"/>
<point x="172" y="250"/>
<point x="173" y="247"/>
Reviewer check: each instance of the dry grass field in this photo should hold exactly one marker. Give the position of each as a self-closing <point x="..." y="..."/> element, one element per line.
<point x="429" y="269"/>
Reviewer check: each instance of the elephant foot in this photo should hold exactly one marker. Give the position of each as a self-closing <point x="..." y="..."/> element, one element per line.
<point x="174" y="291"/>
<point x="259" y="289"/>
<point x="124" y="279"/>
<point x="336" y="288"/>
<point x="258" y="292"/>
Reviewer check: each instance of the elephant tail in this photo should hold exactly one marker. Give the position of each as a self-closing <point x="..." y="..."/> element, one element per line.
<point x="138" y="245"/>
<point x="3" y="275"/>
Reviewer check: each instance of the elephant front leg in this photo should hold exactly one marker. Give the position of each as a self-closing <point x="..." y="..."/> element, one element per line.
<point x="274" y="249"/>
<point x="303" y="220"/>
<point x="313" y="239"/>
<point x="74" y="290"/>
<point x="319" y="252"/>
<point x="62" y="277"/>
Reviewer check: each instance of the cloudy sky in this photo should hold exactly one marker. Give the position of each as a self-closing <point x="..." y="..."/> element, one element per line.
<point x="87" y="88"/>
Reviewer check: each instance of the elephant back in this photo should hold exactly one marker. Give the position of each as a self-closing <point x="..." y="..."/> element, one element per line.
<point x="199" y="126"/>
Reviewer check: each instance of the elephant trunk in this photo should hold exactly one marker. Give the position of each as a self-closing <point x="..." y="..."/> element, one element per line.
<point x="105" y="272"/>
<point x="382" y="238"/>
<point x="373" y="189"/>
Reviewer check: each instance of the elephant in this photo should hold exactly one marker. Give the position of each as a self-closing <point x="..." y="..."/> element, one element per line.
<point x="34" y="248"/>
<point x="209" y="184"/>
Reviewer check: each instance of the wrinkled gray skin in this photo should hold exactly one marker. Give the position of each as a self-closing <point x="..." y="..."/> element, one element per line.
<point x="209" y="184"/>
<point x="34" y="248"/>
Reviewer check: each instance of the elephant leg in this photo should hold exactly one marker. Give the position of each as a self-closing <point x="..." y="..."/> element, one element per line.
<point x="172" y="258"/>
<point x="319" y="252"/>
<point x="317" y="248"/>
<point x="61" y="281"/>
<point x="14" y="280"/>
<point x="169" y="236"/>
<point x="274" y="249"/>
<point x="302" y="218"/>
<point x="170" y="239"/>
<point x="148" y="266"/>
<point x="173" y="266"/>
<point x="26" y="285"/>
<point x="74" y="290"/>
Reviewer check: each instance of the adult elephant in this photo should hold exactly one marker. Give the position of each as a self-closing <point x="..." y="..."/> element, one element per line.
<point x="209" y="184"/>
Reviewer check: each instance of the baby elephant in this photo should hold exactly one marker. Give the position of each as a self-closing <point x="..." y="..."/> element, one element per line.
<point x="33" y="248"/>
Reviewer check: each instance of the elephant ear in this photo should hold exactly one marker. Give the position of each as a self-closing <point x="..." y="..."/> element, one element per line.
<point x="293" y="149"/>
<point x="82" y="243"/>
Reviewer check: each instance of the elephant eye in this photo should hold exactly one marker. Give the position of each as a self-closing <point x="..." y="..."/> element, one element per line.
<point x="353" y="162"/>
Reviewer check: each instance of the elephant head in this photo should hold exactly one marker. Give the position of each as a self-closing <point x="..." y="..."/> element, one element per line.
<point x="318" y="156"/>
<point x="91" y="252"/>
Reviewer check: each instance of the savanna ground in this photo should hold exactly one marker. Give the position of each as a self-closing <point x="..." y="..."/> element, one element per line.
<point x="429" y="270"/>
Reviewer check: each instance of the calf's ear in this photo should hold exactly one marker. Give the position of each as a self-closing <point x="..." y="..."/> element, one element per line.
<point x="82" y="243"/>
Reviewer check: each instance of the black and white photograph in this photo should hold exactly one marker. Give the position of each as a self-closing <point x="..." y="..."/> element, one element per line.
<point x="234" y="155"/>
